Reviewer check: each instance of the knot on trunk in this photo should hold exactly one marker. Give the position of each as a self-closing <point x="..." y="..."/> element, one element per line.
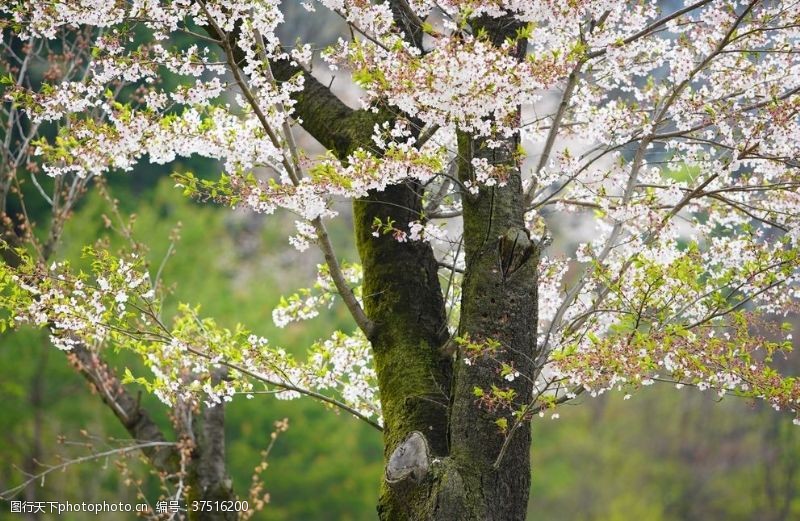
<point x="515" y="248"/>
<point x="410" y="460"/>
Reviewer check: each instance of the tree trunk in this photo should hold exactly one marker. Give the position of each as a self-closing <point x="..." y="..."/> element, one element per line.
<point x="430" y="478"/>
<point x="461" y="477"/>
<point x="208" y="482"/>
<point x="499" y="303"/>
<point x="441" y="445"/>
<point x="404" y="300"/>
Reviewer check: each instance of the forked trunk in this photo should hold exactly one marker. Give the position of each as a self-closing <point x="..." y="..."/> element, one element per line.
<point x="441" y="443"/>
<point x="444" y="463"/>
<point x="443" y="458"/>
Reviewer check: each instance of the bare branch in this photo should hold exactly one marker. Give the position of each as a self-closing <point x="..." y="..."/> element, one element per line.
<point x="7" y="494"/>
<point x="653" y="26"/>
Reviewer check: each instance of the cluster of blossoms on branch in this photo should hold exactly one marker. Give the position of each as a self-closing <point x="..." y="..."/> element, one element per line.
<point x="307" y="303"/>
<point x="192" y="359"/>
<point x="669" y="134"/>
<point x="729" y="359"/>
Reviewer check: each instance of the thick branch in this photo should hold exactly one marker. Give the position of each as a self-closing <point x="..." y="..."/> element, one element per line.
<point x="127" y="409"/>
<point x="408" y="21"/>
<point x="207" y="477"/>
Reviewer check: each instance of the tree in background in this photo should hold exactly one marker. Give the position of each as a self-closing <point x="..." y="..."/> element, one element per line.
<point x="672" y="142"/>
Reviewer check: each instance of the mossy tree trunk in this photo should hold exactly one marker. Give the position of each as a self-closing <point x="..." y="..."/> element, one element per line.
<point x="405" y="303"/>
<point x="450" y="472"/>
<point x="499" y="303"/>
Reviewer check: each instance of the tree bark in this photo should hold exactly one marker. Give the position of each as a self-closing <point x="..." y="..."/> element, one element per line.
<point x="208" y="481"/>
<point x="499" y="303"/>
<point x="404" y="300"/>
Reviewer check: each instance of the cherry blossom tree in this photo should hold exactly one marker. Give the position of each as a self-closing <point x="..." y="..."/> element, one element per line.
<point x="670" y="135"/>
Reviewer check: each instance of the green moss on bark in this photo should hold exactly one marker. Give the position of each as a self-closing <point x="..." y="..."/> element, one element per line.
<point x="404" y="300"/>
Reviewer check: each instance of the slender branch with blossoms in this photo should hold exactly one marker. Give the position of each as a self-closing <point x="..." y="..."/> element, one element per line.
<point x="123" y="310"/>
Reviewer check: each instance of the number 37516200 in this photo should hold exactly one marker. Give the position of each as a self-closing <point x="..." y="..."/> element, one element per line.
<point x="219" y="506"/>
